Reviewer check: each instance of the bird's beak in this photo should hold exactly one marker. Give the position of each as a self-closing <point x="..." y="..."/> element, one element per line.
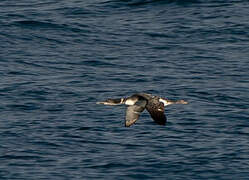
<point x="182" y="102"/>
<point x="101" y="102"/>
<point x="109" y="103"/>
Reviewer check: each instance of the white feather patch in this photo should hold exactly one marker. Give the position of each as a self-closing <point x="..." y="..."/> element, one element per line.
<point x="165" y="102"/>
<point x="130" y="102"/>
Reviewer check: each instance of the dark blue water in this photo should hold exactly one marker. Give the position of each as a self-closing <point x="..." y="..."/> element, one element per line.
<point x="57" y="58"/>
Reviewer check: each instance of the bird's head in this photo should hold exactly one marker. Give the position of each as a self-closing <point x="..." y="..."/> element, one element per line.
<point x="111" y="102"/>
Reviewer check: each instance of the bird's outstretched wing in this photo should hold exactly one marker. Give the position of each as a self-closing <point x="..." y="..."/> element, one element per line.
<point x="133" y="112"/>
<point x="156" y="111"/>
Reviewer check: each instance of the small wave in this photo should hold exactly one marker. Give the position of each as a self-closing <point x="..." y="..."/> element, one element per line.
<point x="50" y="26"/>
<point x="39" y="24"/>
<point x="85" y="128"/>
<point x="19" y="157"/>
<point x="98" y="63"/>
<point x="118" y="3"/>
<point x="25" y="107"/>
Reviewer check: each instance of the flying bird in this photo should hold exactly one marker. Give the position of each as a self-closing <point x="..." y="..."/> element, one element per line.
<point x="138" y="102"/>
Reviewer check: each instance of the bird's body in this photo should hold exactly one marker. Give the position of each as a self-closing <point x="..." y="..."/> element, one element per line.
<point x="138" y="102"/>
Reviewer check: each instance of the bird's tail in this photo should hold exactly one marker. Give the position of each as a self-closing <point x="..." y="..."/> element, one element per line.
<point x="177" y="102"/>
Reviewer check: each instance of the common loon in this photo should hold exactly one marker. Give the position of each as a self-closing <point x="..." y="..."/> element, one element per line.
<point x="138" y="102"/>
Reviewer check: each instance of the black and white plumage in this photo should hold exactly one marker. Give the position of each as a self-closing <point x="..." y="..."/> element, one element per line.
<point x="138" y="102"/>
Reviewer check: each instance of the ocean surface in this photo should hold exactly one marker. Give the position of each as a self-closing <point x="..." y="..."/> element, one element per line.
<point x="58" y="58"/>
